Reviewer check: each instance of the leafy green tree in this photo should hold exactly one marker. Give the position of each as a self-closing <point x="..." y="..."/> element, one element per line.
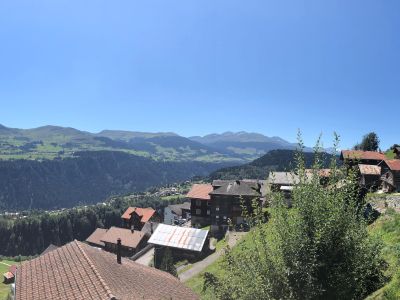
<point x="370" y="142"/>
<point x="318" y="249"/>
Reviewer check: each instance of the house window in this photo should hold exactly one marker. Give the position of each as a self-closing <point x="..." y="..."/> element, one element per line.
<point x="208" y="212"/>
<point x="198" y="211"/>
<point x="198" y="202"/>
<point x="217" y="208"/>
<point x="217" y="217"/>
<point x="224" y="217"/>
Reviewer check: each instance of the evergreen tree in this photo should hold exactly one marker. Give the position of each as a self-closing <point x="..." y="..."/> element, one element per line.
<point x="370" y="142"/>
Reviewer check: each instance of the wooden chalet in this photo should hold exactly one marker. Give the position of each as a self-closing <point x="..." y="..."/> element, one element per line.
<point x="136" y="217"/>
<point x="227" y="200"/>
<point x="355" y="157"/>
<point x="132" y="241"/>
<point x="200" y="204"/>
<point x="369" y="176"/>
<point x="390" y="175"/>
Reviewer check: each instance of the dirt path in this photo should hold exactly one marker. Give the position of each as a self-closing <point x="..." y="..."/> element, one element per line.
<point x="198" y="267"/>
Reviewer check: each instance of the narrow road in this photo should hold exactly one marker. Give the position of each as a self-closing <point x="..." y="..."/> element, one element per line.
<point x="198" y="267"/>
<point x="146" y="258"/>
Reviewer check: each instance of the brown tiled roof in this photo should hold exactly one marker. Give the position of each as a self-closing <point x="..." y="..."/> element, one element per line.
<point x="96" y="236"/>
<point x="393" y="164"/>
<point x="369" y="169"/>
<point x="79" y="271"/>
<point x="144" y="213"/>
<point x="128" y="237"/>
<point x="321" y="172"/>
<point x="358" y="154"/>
<point x="50" y="248"/>
<point x="200" y="191"/>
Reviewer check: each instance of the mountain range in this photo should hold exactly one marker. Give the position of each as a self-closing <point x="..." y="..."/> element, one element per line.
<point x="54" y="167"/>
<point x="55" y="142"/>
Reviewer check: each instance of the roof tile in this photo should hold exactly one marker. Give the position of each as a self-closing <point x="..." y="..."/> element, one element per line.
<point x="79" y="271"/>
<point x="200" y="191"/>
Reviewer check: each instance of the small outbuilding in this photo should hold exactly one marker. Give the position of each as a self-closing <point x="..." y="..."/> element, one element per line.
<point x="184" y="242"/>
<point x="369" y="176"/>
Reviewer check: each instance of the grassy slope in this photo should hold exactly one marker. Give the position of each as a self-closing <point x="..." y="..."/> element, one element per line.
<point x="4" y="289"/>
<point x="388" y="227"/>
<point x="390" y="154"/>
<point x="196" y="283"/>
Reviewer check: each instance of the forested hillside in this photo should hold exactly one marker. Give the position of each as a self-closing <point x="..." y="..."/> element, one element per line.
<point x="88" y="177"/>
<point x="275" y="160"/>
<point x="31" y="234"/>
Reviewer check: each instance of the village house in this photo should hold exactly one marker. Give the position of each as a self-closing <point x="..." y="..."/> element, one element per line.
<point x="355" y="157"/>
<point x="136" y="217"/>
<point x="390" y="175"/>
<point x="200" y="204"/>
<point x="9" y="276"/>
<point x="228" y="199"/>
<point x="132" y="241"/>
<point x="369" y="176"/>
<point x="282" y="181"/>
<point x="79" y="271"/>
<point x="95" y="238"/>
<point x="175" y="212"/>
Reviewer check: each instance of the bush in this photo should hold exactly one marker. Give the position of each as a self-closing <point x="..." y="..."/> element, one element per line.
<point x="318" y="249"/>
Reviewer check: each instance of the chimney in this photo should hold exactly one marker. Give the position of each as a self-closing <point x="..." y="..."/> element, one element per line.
<point x="132" y="229"/>
<point x="151" y="227"/>
<point x="119" y="251"/>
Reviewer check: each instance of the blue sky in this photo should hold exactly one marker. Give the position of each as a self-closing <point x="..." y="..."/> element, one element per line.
<point x="197" y="67"/>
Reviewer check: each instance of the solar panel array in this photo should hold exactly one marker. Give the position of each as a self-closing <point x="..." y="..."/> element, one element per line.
<point x="179" y="237"/>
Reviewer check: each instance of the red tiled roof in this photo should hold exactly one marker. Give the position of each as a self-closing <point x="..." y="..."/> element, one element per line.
<point x="12" y="269"/>
<point x="144" y="213"/>
<point x="393" y="164"/>
<point x="96" y="236"/>
<point x="200" y="191"/>
<point x="79" y="271"/>
<point x="358" y="154"/>
<point x="128" y="238"/>
<point x="8" y="275"/>
<point x="369" y="169"/>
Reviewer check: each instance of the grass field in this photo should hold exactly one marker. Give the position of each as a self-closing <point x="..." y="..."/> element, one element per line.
<point x="388" y="228"/>
<point x="196" y="283"/>
<point x="4" y="289"/>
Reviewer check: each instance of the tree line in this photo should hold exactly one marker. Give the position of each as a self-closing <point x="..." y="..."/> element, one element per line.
<point x="33" y="233"/>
